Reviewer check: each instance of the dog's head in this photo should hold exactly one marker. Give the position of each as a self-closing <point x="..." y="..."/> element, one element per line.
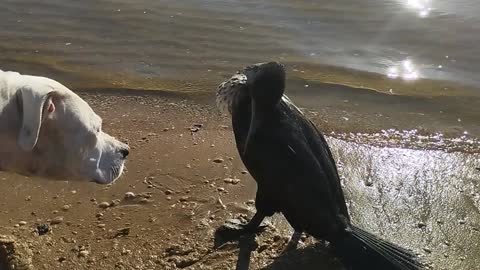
<point x="60" y="135"/>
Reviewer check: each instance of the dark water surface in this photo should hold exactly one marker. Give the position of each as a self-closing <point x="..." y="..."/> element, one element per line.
<point x="192" y="38"/>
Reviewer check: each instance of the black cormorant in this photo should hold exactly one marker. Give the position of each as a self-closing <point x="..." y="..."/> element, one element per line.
<point x="295" y="171"/>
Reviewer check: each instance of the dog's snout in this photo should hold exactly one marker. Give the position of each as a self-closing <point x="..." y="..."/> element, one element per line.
<point x="124" y="152"/>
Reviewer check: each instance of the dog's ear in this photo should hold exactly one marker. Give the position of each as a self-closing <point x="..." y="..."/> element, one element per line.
<point x="35" y="103"/>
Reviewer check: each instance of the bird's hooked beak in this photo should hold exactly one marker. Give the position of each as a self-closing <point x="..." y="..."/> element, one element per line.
<point x="256" y="121"/>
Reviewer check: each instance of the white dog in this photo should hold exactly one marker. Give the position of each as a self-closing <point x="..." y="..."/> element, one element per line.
<point x="48" y="130"/>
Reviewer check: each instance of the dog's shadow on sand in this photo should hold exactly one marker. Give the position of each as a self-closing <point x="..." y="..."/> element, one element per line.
<point x="312" y="257"/>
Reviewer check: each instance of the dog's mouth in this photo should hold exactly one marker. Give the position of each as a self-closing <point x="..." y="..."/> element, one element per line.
<point x="116" y="172"/>
<point x="111" y="175"/>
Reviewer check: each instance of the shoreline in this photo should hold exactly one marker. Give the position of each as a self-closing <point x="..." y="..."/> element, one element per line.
<point x="421" y="105"/>
<point x="298" y="69"/>
<point x="332" y="121"/>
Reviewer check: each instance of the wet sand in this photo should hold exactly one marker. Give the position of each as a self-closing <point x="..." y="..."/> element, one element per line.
<point x="427" y="200"/>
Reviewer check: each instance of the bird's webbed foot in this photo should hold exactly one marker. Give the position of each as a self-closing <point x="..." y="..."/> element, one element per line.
<point x="233" y="229"/>
<point x="293" y="242"/>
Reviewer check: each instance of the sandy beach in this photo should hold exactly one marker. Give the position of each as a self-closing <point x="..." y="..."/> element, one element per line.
<point x="182" y="163"/>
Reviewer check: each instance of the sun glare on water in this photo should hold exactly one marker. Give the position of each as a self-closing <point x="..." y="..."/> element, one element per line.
<point x="423" y="7"/>
<point x="406" y="70"/>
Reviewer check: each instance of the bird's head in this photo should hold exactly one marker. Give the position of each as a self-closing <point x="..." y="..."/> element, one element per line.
<point x="266" y="85"/>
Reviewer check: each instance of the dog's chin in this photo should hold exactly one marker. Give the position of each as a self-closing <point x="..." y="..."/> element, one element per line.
<point x="110" y="175"/>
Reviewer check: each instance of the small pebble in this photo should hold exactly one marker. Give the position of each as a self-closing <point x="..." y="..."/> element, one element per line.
<point x="101" y="225"/>
<point x="43" y="229"/>
<point x="22" y="223"/>
<point x="83" y="253"/>
<point x="66" y="207"/>
<point x="129" y="195"/>
<point x="220" y="202"/>
<point x="56" y="220"/>
<point x="183" y="199"/>
<point x="114" y="202"/>
<point x="104" y="205"/>
<point x="221" y="189"/>
<point x="218" y="160"/>
<point x="168" y="192"/>
<point x="421" y="225"/>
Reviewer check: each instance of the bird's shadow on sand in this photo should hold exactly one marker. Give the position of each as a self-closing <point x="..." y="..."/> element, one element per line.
<point x="312" y="257"/>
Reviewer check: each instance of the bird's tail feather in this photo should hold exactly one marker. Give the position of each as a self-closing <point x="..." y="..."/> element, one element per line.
<point x="362" y="250"/>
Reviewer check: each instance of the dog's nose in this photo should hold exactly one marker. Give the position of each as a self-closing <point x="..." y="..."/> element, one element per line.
<point x="124" y="152"/>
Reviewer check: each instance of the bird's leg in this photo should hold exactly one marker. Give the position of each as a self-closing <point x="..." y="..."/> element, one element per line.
<point x="254" y="223"/>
